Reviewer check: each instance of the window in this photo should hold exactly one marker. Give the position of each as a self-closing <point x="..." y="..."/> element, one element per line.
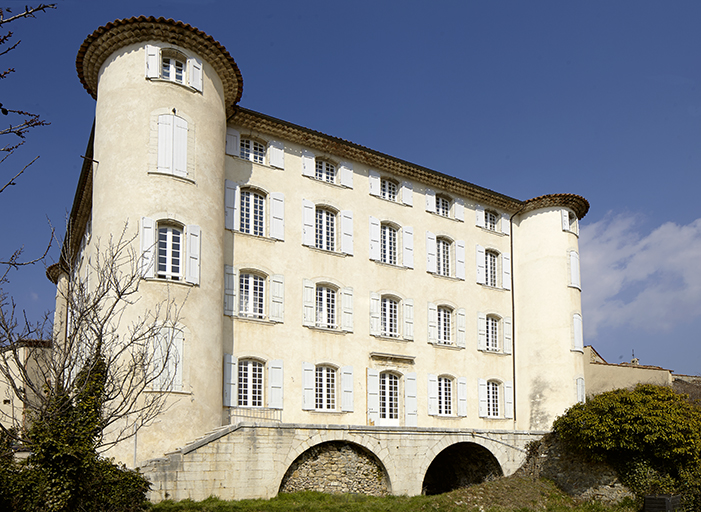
<point x="388" y="244"/>
<point x="388" y="190"/>
<point x="167" y="359"/>
<point x="169" y="253"/>
<point x="325" y="229"/>
<point x="325" y="388"/>
<point x="569" y="222"/>
<point x="250" y="384"/>
<point x="443" y="257"/>
<point x="492" y="334"/>
<point x="444" y="325"/>
<point x="491" y="268"/>
<point x="490" y="221"/>
<point x="443" y="206"/>
<point x="389" y="317"/>
<point x="252" y="150"/>
<point x="251" y="295"/>
<point x="492" y="399"/>
<point x="325" y="307"/>
<point x="174" y="66"/>
<point x="172" y="145"/>
<point x="252" y="213"/>
<point x="389" y="399"/>
<point x="325" y="171"/>
<point x="445" y="396"/>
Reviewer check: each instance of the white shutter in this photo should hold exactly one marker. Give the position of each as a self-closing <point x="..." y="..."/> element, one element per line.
<point x="277" y="298"/>
<point x="308" y="230"/>
<point x="481" y="265"/>
<point x="509" y="400"/>
<point x="233" y="142"/>
<point x="481" y="331"/>
<point x="430" y="200"/>
<point x="432" y="323"/>
<point x="277" y="215"/>
<point x="407" y="193"/>
<point x="179" y="146"/>
<point x="460" y="259"/>
<point x="506" y="271"/>
<point x="482" y="384"/>
<point x="148" y="247"/>
<point x="373" y="397"/>
<point x="165" y="143"/>
<point x="459" y="209"/>
<point x="347" y="309"/>
<point x="308" y="295"/>
<point x="479" y="213"/>
<point x="347" y="232"/>
<point x="153" y="61"/>
<point x="461" y="337"/>
<point x="231" y="191"/>
<point x="408" y="242"/>
<point x="431" y="252"/>
<point x="375" y="313"/>
<point x="347" y="389"/>
<point x="308" y="387"/>
<point x="308" y="162"/>
<point x="374" y="181"/>
<point x="578" y="332"/>
<point x="176" y="360"/>
<point x="275" y="379"/>
<point x="574" y="269"/>
<point x="195" y="73"/>
<point x="229" y="290"/>
<point x="193" y="254"/>
<point x="508" y="336"/>
<point x="276" y="154"/>
<point x="345" y="174"/>
<point x="432" y="395"/>
<point x="411" y="403"/>
<point x="565" y="220"/>
<point x="374" y="238"/>
<point x="409" y="319"/>
<point x="505" y="224"/>
<point x="230" y="375"/>
<point x="581" y="392"/>
<point x="462" y="396"/>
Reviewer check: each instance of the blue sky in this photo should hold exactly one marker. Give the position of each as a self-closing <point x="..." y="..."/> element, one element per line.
<point x="596" y="98"/>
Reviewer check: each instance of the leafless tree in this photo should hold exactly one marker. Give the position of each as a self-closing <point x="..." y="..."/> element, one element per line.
<point x="99" y="323"/>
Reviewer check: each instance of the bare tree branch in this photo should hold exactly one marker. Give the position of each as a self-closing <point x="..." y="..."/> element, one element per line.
<point x="12" y="180"/>
<point x="27" y="13"/>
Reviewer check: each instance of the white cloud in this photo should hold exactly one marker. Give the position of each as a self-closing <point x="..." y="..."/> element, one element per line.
<point x="641" y="281"/>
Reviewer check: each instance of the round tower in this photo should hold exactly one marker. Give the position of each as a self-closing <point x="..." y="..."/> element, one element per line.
<point x="548" y="345"/>
<point x="164" y="91"/>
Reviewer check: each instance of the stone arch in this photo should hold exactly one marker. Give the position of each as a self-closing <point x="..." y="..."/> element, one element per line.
<point x="337" y="467"/>
<point x="460" y="464"/>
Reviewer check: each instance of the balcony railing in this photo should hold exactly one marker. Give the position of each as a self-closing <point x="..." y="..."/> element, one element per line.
<point x="254" y="414"/>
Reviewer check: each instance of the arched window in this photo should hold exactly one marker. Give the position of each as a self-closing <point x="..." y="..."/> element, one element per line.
<point x="493" y="399"/>
<point x="252" y="212"/>
<point x="443" y="205"/>
<point x="170" y="245"/>
<point x="251" y="295"/>
<point x="443" y="246"/>
<point x="388" y="189"/>
<point x="325" y="171"/>
<point x="445" y="315"/>
<point x="389" y="399"/>
<point x="326" y="304"/>
<point x="325" y="229"/>
<point x="490" y="220"/>
<point x="325" y="388"/>
<point x="173" y="66"/>
<point x="445" y="396"/>
<point x="388" y="247"/>
<point x="250" y="383"/>
<point x="252" y="150"/>
<point x="492" y="334"/>
<point x="491" y="259"/>
<point x="389" y="317"/>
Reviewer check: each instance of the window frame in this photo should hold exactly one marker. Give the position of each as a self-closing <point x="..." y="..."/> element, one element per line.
<point x="492" y="328"/>
<point x="444" y="325"/>
<point x="325" y="170"/>
<point x="247" y="390"/>
<point x="325" y="228"/>
<point x="444" y="249"/>
<point x="494" y="393"/>
<point x="443" y="205"/>
<point x="252" y="150"/>
<point x="445" y="395"/>
<point x="326" y="317"/>
<point x="389" y="244"/>
<point x="325" y="392"/>
<point x="386" y="192"/>
<point x="491" y="219"/>
<point x="491" y="268"/>
<point x="165" y="270"/>
<point x="389" y="398"/>
<point x="252" y="215"/>
<point x="174" y="57"/>
<point x="389" y="318"/>
<point x="256" y="287"/>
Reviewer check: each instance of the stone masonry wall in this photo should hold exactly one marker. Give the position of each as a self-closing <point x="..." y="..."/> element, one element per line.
<point x="336" y="467"/>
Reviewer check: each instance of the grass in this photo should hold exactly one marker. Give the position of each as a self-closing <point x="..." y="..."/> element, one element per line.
<point x="510" y="494"/>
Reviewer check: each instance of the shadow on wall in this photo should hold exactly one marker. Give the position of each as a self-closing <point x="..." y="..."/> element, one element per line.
<point x="460" y="465"/>
<point x="337" y="467"/>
